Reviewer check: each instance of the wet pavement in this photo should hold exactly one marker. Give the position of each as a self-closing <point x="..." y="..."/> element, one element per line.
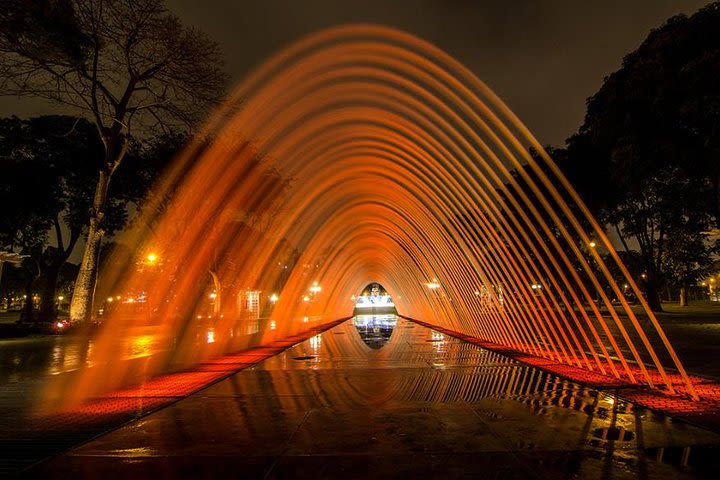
<point x="371" y="399"/>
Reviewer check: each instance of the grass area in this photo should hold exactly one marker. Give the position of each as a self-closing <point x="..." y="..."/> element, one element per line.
<point x="9" y="317"/>
<point x="703" y="307"/>
<point x="701" y="310"/>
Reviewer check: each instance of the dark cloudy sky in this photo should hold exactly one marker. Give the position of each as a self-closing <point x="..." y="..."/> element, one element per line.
<point x="544" y="58"/>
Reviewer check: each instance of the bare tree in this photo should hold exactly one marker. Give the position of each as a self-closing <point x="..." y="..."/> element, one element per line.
<point x="130" y="65"/>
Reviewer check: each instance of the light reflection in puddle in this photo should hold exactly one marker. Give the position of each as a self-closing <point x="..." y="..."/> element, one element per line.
<point x="375" y="330"/>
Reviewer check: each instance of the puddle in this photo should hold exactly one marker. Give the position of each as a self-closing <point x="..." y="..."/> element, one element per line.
<point x="375" y="330"/>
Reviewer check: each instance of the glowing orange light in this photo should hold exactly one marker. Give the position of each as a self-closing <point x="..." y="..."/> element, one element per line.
<point x="402" y="164"/>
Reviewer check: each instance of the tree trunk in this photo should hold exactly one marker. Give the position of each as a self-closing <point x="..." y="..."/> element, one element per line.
<point x="48" y="305"/>
<point x="28" y="313"/>
<point x="652" y="295"/>
<point x="84" y="290"/>
<point x="81" y="305"/>
<point x="683" y="297"/>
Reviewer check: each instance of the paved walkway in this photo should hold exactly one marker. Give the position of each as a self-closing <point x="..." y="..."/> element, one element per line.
<point x="413" y="403"/>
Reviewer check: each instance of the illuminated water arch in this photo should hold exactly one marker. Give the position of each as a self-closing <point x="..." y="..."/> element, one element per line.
<point x="364" y="154"/>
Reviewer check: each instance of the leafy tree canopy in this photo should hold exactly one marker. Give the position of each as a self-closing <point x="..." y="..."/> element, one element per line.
<point x="647" y="156"/>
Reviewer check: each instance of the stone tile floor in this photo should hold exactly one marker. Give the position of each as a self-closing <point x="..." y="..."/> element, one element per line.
<point x="423" y="405"/>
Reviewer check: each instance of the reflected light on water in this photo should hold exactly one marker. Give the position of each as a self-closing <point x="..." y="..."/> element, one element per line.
<point x="364" y="154"/>
<point x="315" y="342"/>
<point x="375" y="330"/>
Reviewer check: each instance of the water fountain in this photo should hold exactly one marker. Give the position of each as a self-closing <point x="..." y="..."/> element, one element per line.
<point x="363" y="154"/>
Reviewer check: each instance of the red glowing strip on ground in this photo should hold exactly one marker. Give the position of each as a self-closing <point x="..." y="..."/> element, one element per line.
<point x="140" y="400"/>
<point x="705" y="413"/>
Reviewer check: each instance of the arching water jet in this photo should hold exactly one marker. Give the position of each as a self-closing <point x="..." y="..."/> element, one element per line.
<point x="361" y="154"/>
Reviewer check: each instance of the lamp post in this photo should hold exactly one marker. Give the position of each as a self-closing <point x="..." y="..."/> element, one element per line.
<point x="592" y="245"/>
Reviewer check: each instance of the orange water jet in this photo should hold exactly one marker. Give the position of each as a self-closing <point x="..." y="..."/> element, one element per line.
<point x="363" y="154"/>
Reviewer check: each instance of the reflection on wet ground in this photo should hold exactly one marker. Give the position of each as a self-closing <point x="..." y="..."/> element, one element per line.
<point x="422" y="406"/>
<point x="375" y="330"/>
<point x="27" y="359"/>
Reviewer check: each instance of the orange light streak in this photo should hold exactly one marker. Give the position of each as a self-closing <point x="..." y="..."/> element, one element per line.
<point x="363" y="154"/>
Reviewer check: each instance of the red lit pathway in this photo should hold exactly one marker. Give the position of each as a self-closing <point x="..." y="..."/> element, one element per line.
<point x="705" y="412"/>
<point x="423" y="405"/>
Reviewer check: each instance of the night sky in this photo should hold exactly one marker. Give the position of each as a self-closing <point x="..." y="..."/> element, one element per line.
<point x="544" y="58"/>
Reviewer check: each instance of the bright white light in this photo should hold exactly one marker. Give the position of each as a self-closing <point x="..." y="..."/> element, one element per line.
<point x="274" y="298"/>
<point x="60" y="324"/>
<point x="433" y="285"/>
<point x="374" y="301"/>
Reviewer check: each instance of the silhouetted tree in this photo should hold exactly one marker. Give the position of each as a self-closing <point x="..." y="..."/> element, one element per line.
<point x="49" y="171"/>
<point x="648" y="152"/>
<point x="129" y="64"/>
